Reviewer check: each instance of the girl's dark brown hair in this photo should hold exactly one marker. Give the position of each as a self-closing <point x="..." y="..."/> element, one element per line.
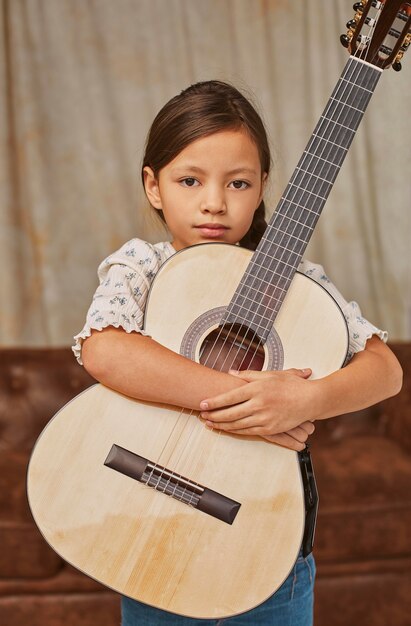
<point x="200" y="110"/>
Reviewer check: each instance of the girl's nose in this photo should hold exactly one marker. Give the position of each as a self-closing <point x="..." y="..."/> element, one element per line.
<point x="213" y="202"/>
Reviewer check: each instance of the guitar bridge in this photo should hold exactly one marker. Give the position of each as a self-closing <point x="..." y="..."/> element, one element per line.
<point x="168" y="482"/>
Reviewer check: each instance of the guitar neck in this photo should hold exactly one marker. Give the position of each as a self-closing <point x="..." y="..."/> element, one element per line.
<point x="264" y="285"/>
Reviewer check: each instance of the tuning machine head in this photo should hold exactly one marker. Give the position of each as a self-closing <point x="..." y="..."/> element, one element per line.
<point x="380" y="32"/>
<point x="352" y="24"/>
<point x="405" y="45"/>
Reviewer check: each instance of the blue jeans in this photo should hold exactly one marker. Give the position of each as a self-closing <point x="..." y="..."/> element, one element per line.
<point x="291" y="605"/>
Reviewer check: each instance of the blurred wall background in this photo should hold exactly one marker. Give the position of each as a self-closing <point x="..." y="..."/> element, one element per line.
<point x="80" y="83"/>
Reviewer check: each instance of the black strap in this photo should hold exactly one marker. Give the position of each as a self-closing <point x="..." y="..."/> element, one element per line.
<point x="310" y="499"/>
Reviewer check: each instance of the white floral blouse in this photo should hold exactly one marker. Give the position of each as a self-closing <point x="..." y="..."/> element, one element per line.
<point x="126" y="275"/>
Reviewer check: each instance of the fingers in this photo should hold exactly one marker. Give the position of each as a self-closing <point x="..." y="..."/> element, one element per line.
<point x="301" y="434"/>
<point x="286" y="441"/>
<point x="250" y="375"/>
<point x="247" y="426"/>
<point x="304" y="373"/>
<point x="231" y="414"/>
<point x="235" y="396"/>
<point x="237" y="427"/>
<point x="294" y="439"/>
<point x="308" y="427"/>
<point x="241" y="394"/>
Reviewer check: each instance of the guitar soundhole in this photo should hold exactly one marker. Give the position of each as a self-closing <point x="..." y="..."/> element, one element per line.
<point x="232" y="346"/>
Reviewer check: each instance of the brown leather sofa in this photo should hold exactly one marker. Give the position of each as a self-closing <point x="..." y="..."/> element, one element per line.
<point x="362" y="463"/>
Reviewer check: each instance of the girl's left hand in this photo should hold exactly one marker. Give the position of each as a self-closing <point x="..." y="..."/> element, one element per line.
<point x="271" y="403"/>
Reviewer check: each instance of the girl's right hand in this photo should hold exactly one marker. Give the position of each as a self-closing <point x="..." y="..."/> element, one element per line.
<point x="295" y="438"/>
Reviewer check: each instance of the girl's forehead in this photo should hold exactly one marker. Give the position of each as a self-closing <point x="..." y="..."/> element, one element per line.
<point x="225" y="147"/>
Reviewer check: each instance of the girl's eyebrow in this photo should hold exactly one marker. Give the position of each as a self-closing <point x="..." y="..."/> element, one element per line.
<point x="198" y="170"/>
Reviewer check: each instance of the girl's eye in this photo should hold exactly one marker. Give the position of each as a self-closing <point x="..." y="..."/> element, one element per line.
<point x="189" y="182"/>
<point x="239" y="184"/>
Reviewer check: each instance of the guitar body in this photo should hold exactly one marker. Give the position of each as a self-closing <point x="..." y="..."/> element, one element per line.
<point x="158" y="549"/>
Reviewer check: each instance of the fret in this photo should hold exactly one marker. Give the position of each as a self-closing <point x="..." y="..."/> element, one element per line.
<point x="260" y="322"/>
<point x="338" y="134"/>
<point x="315" y="156"/>
<point x="300" y="169"/>
<point x="289" y="257"/>
<point x="324" y="154"/>
<point x="345" y="104"/>
<point x="329" y="141"/>
<point x="338" y="123"/>
<point x="261" y="280"/>
<point x="264" y="266"/>
<point x="290" y="252"/>
<point x="358" y="86"/>
<point x="290" y="229"/>
<point x="304" y="196"/>
<point x="347" y="97"/>
<point x="269" y="273"/>
<point x="245" y="301"/>
<point x="326" y="150"/>
<point x="261" y="330"/>
<point x="255" y="318"/>
<point x="290" y="236"/>
<point x="307" y="183"/>
<point x="302" y="192"/>
<point x="299" y="222"/>
<point x="348" y="117"/>
<point x="281" y="265"/>
<point x="260" y="294"/>
<point x="366" y="75"/>
<point x="303" y="225"/>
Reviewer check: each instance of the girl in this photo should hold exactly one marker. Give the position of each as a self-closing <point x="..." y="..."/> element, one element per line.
<point x="204" y="171"/>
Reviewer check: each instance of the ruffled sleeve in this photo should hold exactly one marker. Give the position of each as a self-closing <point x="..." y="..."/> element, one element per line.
<point x="125" y="278"/>
<point x="359" y="328"/>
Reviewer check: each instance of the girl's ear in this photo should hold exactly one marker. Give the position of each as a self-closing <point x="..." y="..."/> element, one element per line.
<point x="151" y="187"/>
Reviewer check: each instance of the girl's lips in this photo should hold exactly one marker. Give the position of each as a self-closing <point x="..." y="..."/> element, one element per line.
<point x="212" y="230"/>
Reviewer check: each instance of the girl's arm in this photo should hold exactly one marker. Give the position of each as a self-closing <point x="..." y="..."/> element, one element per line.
<point x="276" y="401"/>
<point x="141" y="368"/>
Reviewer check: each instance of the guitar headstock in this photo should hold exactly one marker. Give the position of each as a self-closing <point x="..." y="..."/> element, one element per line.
<point x="380" y="32"/>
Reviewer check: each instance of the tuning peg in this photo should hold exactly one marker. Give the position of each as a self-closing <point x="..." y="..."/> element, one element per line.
<point x="351" y="24"/>
<point x="345" y="40"/>
<point x="358" y="6"/>
<point x="397" y="66"/>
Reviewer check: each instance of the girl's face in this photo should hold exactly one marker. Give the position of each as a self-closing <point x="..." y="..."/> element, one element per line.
<point x="210" y="190"/>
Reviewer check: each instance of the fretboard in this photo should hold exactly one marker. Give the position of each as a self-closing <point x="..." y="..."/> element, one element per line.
<point x="261" y="292"/>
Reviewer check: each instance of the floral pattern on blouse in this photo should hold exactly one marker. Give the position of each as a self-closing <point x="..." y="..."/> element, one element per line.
<point x="125" y="278"/>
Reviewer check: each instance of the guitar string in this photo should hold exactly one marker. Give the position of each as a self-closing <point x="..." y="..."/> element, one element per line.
<point x="290" y="251"/>
<point x="361" y="49"/>
<point x="301" y="223"/>
<point x="330" y="164"/>
<point x="336" y="121"/>
<point x="355" y="74"/>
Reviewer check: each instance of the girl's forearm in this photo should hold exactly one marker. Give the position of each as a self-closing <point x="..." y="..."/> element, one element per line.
<point x="141" y="368"/>
<point x="371" y="376"/>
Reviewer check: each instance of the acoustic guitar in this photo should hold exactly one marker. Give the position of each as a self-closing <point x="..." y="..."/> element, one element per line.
<point x="145" y="499"/>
